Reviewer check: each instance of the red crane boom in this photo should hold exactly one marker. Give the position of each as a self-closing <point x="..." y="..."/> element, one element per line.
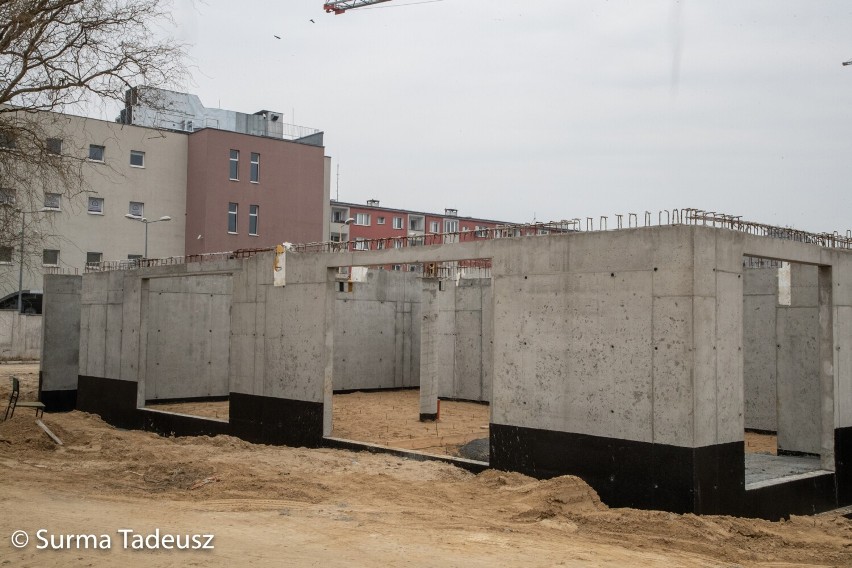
<point x="343" y="5"/>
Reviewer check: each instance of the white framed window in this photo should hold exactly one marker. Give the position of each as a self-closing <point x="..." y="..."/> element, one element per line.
<point x="96" y="153"/>
<point x="337" y="216"/>
<point x="94" y="258"/>
<point x="397" y="222"/>
<point x="434" y="227"/>
<point x="50" y="257"/>
<point x="137" y="159"/>
<point x="481" y="231"/>
<point x="53" y="201"/>
<point x="53" y="146"/>
<point x="137" y="209"/>
<point x="451" y="226"/>
<point x="234" y="165"/>
<point x="5" y="255"/>
<point x="253" y="213"/>
<point x="362" y="219"/>
<point x="255" y="168"/>
<point x="397" y="267"/>
<point x="380" y="221"/>
<point x="232" y="217"/>
<point x="380" y="245"/>
<point x="360" y="244"/>
<point x="96" y="205"/>
<point x="397" y="243"/>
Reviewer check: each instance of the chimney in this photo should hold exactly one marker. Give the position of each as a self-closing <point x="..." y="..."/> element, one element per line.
<point x="451" y="212"/>
<point x="373" y="202"/>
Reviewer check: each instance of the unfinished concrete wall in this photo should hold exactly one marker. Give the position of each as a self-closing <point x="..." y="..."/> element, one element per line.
<point x="187" y="336"/>
<point x="760" y="304"/>
<point x="20" y="335"/>
<point x="377" y="331"/>
<point x="457" y="357"/>
<point x="281" y="350"/>
<point x="798" y="334"/>
<point x="61" y="342"/>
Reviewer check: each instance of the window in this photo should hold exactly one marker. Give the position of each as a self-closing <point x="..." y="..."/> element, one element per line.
<point x="137" y="209"/>
<point x="362" y="219"/>
<point x="53" y="146"/>
<point x="380" y="221"/>
<point x="7" y="196"/>
<point x="360" y="244"/>
<point x="451" y="226"/>
<point x="337" y="216"/>
<point x="52" y="201"/>
<point x="232" y="217"/>
<point x="481" y="231"/>
<point x="5" y="255"/>
<point x="94" y="258"/>
<point x="134" y="256"/>
<point x="434" y="227"/>
<point x="50" y="257"/>
<point x="255" y="167"/>
<point x="96" y="205"/>
<point x="397" y="267"/>
<point x="253" y="211"/>
<point x="96" y="153"/>
<point x="380" y="245"/>
<point x="415" y="223"/>
<point x="335" y="238"/>
<point x="235" y="165"/>
<point x="397" y="222"/>
<point x="137" y="159"/>
<point x="397" y="243"/>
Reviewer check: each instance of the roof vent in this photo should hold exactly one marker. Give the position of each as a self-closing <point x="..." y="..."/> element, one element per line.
<point x="373" y="202"/>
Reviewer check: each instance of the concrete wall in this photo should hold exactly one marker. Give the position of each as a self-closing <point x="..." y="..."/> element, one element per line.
<point x="377" y="331"/>
<point x="20" y="335"/>
<point x="60" y="362"/>
<point x="617" y="336"/>
<point x="798" y="364"/>
<point x="188" y="334"/>
<point x="760" y="351"/>
<point x="456" y="359"/>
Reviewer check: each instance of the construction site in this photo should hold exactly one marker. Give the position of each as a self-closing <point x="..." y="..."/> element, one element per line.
<point x="696" y="367"/>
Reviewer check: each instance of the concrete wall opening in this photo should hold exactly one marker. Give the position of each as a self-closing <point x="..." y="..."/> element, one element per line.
<point x="786" y="325"/>
<point x="184" y="364"/>
<point x="412" y="357"/>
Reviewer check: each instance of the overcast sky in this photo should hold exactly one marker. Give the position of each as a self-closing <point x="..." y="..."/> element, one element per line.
<point x="515" y="110"/>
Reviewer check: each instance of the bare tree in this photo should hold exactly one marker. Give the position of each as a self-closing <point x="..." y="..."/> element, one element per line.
<point x="58" y="56"/>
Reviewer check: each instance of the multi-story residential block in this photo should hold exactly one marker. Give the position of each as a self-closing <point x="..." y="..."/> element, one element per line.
<point x="372" y="226"/>
<point x="219" y="181"/>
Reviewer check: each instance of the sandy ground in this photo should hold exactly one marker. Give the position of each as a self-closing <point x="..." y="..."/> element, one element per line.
<point x="389" y="418"/>
<point x="277" y="506"/>
<point x="392" y="419"/>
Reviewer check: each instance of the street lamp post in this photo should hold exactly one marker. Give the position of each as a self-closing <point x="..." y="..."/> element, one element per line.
<point x="146" y="223"/>
<point x="21" y="268"/>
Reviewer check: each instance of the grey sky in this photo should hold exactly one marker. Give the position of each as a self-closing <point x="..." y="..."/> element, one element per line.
<point x="553" y="109"/>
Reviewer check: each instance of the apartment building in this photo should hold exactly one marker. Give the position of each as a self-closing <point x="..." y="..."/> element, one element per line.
<point x="205" y="180"/>
<point x="371" y="227"/>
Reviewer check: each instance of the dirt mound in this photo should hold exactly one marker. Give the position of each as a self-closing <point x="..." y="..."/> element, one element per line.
<point x="21" y="434"/>
<point x="559" y="497"/>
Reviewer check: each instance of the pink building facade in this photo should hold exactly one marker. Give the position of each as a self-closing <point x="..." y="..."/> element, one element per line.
<point x="246" y="192"/>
